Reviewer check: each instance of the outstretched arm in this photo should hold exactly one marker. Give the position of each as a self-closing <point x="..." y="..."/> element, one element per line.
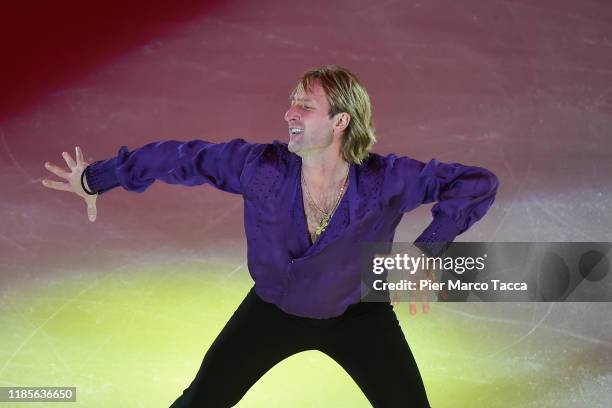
<point x="191" y="163"/>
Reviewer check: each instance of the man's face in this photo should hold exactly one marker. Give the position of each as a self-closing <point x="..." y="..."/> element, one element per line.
<point x="310" y="127"/>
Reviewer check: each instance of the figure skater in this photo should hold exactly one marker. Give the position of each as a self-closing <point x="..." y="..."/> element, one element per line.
<point x="308" y="206"/>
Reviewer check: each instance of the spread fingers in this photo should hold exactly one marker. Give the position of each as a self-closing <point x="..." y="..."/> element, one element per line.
<point x="79" y="156"/>
<point x="69" y="160"/>
<point x="57" y="171"/>
<point x="57" y="185"/>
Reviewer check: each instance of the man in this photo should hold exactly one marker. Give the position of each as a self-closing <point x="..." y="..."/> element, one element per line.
<point x="309" y="205"/>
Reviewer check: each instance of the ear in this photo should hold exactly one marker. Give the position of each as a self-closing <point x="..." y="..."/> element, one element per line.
<point x="341" y="121"/>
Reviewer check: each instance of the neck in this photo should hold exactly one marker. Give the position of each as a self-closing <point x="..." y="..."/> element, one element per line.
<point x="324" y="169"/>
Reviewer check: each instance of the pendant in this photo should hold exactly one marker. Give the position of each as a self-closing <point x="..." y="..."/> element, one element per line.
<point x="322" y="225"/>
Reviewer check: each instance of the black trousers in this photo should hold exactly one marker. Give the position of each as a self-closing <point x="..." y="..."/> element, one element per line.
<point x="366" y="341"/>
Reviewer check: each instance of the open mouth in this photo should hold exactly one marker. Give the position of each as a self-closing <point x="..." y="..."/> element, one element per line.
<point x="295" y="131"/>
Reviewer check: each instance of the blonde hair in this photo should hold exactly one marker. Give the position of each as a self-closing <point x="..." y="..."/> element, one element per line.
<point x="345" y="94"/>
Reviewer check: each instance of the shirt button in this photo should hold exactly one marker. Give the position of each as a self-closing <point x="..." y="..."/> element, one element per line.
<point x="290" y="260"/>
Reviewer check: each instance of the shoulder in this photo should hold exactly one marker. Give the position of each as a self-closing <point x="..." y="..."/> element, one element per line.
<point x="396" y="165"/>
<point x="276" y="155"/>
<point x="278" y="151"/>
<point x="388" y="175"/>
<point x="377" y="165"/>
<point x="252" y="154"/>
<point x="269" y="170"/>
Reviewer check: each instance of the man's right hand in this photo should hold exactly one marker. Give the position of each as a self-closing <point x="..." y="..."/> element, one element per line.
<point x="74" y="180"/>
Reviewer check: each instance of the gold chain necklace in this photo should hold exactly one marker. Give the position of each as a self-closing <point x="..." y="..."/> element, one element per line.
<point x="326" y="215"/>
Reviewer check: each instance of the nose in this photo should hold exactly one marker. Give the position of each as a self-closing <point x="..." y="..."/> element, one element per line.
<point x="291" y="114"/>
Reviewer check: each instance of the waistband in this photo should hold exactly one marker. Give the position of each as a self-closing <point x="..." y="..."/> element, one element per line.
<point x="353" y="310"/>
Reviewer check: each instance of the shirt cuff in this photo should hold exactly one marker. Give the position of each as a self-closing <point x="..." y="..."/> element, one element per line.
<point x="101" y="176"/>
<point x="438" y="236"/>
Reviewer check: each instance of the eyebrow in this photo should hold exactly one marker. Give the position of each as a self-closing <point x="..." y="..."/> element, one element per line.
<point x="293" y="98"/>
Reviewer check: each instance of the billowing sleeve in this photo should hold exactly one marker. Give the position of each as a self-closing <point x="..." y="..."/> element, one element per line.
<point x="463" y="194"/>
<point x="223" y="165"/>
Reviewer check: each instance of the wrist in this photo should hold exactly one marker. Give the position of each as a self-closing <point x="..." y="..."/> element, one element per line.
<point x="84" y="184"/>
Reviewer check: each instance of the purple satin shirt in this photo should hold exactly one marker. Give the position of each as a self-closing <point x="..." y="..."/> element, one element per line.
<point x="320" y="280"/>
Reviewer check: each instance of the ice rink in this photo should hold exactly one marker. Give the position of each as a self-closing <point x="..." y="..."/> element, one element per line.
<point x="125" y="308"/>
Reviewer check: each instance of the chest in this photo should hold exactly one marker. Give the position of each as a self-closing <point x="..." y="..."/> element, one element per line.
<point x="319" y="208"/>
<point x="313" y="219"/>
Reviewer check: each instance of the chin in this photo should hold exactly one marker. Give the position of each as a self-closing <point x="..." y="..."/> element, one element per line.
<point x="293" y="146"/>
